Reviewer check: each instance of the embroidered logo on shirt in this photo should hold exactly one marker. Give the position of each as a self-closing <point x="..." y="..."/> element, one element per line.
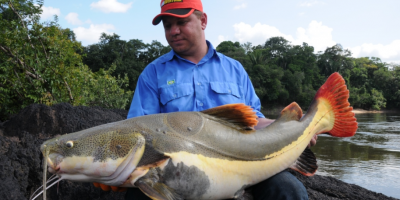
<point x="171" y="82"/>
<point x="169" y="1"/>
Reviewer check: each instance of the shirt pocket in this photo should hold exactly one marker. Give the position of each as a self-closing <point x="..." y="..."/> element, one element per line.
<point x="231" y="89"/>
<point x="170" y="93"/>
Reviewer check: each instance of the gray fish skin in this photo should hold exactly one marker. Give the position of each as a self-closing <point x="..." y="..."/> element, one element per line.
<point x="207" y="136"/>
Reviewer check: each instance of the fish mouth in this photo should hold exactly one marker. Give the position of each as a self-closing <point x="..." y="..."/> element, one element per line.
<point x="54" y="170"/>
<point x="119" y="175"/>
<point x="53" y="163"/>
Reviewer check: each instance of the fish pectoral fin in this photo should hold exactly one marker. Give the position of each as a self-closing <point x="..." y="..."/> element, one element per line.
<point x="156" y="190"/>
<point x="306" y="164"/>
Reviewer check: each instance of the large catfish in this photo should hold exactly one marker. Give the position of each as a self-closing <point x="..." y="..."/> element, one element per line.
<point x="213" y="154"/>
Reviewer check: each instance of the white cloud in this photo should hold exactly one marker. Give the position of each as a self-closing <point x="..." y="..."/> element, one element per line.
<point x="257" y="34"/>
<point x="315" y="34"/>
<point x="108" y="6"/>
<point x="388" y="53"/>
<point x="49" y="12"/>
<point x="221" y="38"/>
<point x="243" y="5"/>
<point x="92" y="34"/>
<point x="73" y="19"/>
<point x="310" y="3"/>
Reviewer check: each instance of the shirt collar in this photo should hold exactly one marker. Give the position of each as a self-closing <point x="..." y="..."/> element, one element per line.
<point x="210" y="53"/>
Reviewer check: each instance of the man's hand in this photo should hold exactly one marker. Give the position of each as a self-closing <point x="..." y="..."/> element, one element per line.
<point x="264" y="122"/>
<point x="313" y="141"/>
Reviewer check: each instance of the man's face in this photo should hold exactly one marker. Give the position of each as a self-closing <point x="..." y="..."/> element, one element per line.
<point x="184" y="35"/>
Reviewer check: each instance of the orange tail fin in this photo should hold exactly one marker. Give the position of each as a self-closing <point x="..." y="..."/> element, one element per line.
<point x="335" y="92"/>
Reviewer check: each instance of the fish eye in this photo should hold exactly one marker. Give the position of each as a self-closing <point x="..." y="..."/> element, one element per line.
<point x="69" y="144"/>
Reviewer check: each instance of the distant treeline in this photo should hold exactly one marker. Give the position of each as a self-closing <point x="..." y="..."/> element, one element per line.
<point x="280" y="72"/>
<point x="43" y="63"/>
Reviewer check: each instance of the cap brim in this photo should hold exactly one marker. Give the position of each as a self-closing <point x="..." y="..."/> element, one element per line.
<point x="180" y="13"/>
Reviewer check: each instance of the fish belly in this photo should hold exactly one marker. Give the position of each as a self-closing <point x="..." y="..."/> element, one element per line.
<point x="228" y="177"/>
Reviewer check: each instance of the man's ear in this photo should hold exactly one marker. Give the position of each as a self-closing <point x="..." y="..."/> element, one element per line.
<point x="203" y="20"/>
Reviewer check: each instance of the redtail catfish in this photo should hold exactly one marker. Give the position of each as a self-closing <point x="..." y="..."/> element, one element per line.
<point x="213" y="154"/>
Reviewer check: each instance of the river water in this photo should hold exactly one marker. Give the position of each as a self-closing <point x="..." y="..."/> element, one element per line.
<point x="370" y="159"/>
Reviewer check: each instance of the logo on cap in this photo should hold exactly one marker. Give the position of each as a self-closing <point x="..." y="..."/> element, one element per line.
<point x="165" y="2"/>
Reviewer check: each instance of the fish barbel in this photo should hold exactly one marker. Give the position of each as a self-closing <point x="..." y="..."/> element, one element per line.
<point x="212" y="154"/>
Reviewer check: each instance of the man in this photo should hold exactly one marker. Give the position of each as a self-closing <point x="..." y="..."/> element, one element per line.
<point x="194" y="77"/>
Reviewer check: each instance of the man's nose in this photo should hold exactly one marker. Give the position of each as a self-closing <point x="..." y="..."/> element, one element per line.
<point x="175" y="30"/>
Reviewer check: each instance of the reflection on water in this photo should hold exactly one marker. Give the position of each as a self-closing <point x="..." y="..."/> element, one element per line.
<point x="370" y="159"/>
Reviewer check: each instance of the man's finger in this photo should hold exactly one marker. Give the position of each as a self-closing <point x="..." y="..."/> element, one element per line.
<point x="313" y="141"/>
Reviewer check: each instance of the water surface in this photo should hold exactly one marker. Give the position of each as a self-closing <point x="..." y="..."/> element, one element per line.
<point x="370" y="159"/>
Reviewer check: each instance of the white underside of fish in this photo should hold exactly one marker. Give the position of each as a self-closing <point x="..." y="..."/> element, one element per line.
<point x="227" y="177"/>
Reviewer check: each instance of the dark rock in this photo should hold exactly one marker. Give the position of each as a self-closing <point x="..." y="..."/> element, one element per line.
<point x="20" y="166"/>
<point x="44" y="121"/>
<point x="21" y="160"/>
<point x="325" y="187"/>
<point x="74" y="191"/>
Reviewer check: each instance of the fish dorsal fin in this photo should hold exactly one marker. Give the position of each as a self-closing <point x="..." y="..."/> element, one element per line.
<point x="306" y="164"/>
<point x="291" y="112"/>
<point x="238" y="114"/>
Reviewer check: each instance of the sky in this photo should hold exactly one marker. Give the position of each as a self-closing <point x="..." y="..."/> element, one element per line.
<point x="367" y="28"/>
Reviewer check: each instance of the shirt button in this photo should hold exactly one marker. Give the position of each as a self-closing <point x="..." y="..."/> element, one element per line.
<point x="174" y="95"/>
<point x="199" y="83"/>
<point x="201" y="104"/>
<point x="229" y="91"/>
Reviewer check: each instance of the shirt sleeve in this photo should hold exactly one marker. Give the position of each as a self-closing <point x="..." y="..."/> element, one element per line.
<point x="251" y="97"/>
<point x="145" y="98"/>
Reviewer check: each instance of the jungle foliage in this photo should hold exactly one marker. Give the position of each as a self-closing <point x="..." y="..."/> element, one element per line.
<point x="130" y="57"/>
<point x="43" y="63"/>
<point x="40" y="63"/>
<point x="282" y="73"/>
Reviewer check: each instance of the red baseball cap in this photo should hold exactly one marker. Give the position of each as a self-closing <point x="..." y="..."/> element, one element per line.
<point x="177" y="8"/>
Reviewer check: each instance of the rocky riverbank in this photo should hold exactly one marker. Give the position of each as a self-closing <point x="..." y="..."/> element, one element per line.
<point x="21" y="168"/>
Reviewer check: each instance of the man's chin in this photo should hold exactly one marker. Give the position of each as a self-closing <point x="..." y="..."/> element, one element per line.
<point x="179" y="49"/>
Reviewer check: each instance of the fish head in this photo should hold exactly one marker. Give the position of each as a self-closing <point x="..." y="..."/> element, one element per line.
<point x="101" y="154"/>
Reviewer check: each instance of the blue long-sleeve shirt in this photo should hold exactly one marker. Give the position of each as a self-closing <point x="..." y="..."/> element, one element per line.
<point x="172" y="83"/>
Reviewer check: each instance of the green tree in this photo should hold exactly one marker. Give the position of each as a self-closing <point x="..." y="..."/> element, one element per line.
<point x="394" y="101"/>
<point x="371" y="84"/>
<point x="130" y="57"/>
<point x="234" y="50"/>
<point x="377" y="100"/>
<point x="228" y="46"/>
<point x="267" y="83"/>
<point x="40" y="63"/>
<point x="276" y="51"/>
<point x="335" y="59"/>
<point x="258" y="56"/>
